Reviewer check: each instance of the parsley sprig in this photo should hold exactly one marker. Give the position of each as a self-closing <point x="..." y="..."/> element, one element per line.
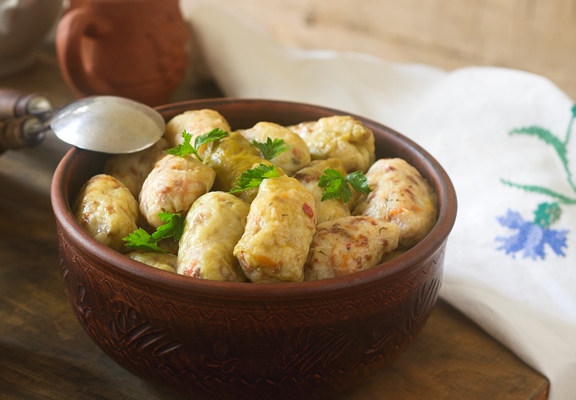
<point x="253" y="177"/>
<point x="173" y="227"/>
<point x="271" y="148"/>
<point x="336" y="185"/>
<point x="187" y="148"/>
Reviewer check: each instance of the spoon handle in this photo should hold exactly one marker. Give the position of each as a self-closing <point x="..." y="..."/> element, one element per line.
<point x="16" y="133"/>
<point x="14" y="104"/>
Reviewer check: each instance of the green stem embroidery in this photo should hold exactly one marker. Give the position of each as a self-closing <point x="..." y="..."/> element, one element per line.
<point x="561" y="148"/>
<point x="569" y="130"/>
<point x="541" y="190"/>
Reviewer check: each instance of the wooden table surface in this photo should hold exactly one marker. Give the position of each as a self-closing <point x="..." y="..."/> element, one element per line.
<point x="45" y="354"/>
<point x="537" y="36"/>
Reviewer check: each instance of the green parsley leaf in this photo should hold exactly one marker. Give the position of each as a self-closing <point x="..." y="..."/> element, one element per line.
<point x="271" y="148"/>
<point x="253" y="177"/>
<point x="359" y="182"/>
<point x="336" y="185"/>
<point x="186" y="148"/>
<point x="183" y="149"/>
<point x="142" y="240"/>
<point x="212" y="136"/>
<point x="173" y="227"/>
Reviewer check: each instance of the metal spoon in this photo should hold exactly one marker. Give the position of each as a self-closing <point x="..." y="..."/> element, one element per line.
<point x="106" y="124"/>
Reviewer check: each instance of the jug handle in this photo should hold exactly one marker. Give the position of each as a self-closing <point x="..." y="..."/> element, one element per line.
<point x="72" y="28"/>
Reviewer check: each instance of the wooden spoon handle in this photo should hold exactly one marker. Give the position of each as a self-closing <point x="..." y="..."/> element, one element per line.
<point x="17" y="133"/>
<point x="15" y="104"/>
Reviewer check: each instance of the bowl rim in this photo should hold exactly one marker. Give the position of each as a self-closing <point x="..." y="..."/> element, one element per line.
<point x="288" y="291"/>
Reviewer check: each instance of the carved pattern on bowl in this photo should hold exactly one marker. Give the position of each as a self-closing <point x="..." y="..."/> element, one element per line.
<point x="303" y="356"/>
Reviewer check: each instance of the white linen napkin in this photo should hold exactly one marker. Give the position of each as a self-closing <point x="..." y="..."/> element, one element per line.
<point x="506" y="139"/>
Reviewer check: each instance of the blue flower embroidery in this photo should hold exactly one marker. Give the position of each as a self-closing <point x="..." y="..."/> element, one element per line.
<point x="531" y="237"/>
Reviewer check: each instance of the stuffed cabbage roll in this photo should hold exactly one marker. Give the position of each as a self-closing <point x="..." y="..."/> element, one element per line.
<point x="213" y="226"/>
<point x="195" y="123"/>
<point x="279" y="230"/>
<point x="350" y="244"/>
<point x="230" y="157"/>
<point x="341" y="137"/>
<point x="309" y="176"/>
<point x="107" y="210"/>
<point x="132" y="169"/>
<point x="400" y="195"/>
<point x="173" y="185"/>
<point x="290" y="160"/>
<point x="165" y="262"/>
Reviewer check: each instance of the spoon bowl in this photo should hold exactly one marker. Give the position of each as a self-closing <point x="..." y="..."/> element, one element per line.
<point x="108" y="124"/>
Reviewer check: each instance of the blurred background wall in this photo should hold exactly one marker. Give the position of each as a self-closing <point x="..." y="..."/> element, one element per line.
<point x="533" y="35"/>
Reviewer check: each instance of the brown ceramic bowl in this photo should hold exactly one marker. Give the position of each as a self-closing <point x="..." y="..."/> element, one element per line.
<point x="251" y="341"/>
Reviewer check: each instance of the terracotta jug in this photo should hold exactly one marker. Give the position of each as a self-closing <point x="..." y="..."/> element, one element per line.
<point x="129" y="48"/>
